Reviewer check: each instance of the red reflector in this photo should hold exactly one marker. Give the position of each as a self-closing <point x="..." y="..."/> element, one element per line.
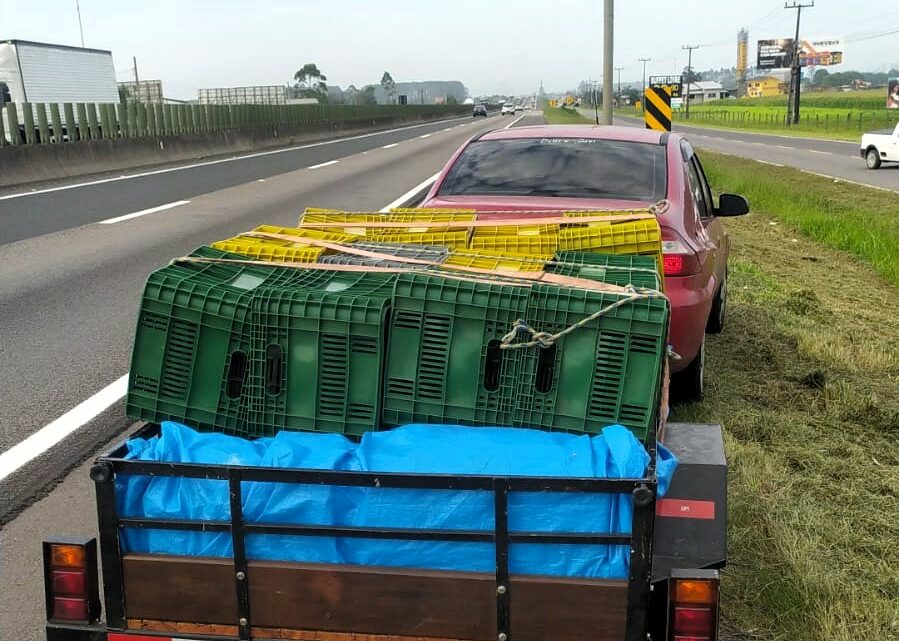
<point x="70" y="609"/>
<point x="693" y="621"/>
<point x="673" y="264"/>
<point x="68" y="583"/>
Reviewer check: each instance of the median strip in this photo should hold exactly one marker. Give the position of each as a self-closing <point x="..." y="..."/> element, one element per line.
<point x="144" y="212"/>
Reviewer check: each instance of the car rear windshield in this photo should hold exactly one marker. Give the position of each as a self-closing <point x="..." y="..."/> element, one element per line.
<point x="563" y="167"/>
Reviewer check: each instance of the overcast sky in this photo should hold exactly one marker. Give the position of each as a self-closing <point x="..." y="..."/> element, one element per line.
<point x="493" y="46"/>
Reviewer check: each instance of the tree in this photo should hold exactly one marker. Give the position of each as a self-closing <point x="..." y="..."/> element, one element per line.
<point x="310" y="82"/>
<point x="367" y="96"/>
<point x="452" y="100"/>
<point x="820" y="77"/>
<point x="352" y="95"/>
<point x="691" y="75"/>
<point x="389" y="87"/>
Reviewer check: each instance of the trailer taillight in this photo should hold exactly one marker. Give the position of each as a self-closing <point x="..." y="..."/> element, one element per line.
<point x="693" y="605"/>
<point x="70" y="580"/>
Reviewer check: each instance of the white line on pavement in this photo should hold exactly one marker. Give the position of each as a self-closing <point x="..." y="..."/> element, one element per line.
<point x="837" y="179"/>
<point x="399" y="201"/>
<point x="222" y="160"/>
<point x="767" y="162"/>
<point x="323" y="164"/>
<point x="784" y="147"/>
<point x="447" y="129"/>
<point x="143" y="212"/>
<point x="514" y="121"/>
<point x="425" y="136"/>
<point x="390" y="146"/>
<point x="52" y="433"/>
<point x="815" y="151"/>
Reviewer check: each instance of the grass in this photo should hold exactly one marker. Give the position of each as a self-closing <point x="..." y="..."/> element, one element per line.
<point x="805" y="381"/>
<point x="847" y="124"/>
<point x="840" y="215"/>
<point x="564" y="116"/>
<point x="868" y="99"/>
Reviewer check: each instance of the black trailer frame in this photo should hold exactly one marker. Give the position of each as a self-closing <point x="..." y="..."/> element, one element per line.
<point x="642" y="490"/>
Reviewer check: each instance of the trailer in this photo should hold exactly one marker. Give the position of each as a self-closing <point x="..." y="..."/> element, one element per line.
<point x="36" y="72"/>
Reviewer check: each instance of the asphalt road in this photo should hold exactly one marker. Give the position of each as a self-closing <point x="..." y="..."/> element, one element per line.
<point x="69" y="293"/>
<point x="831" y="158"/>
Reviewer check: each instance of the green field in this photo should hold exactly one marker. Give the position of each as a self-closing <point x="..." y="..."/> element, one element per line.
<point x="805" y="381"/>
<point x="563" y="116"/>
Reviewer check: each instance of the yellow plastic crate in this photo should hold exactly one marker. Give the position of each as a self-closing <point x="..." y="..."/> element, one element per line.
<point x="417" y="220"/>
<point x="499" y="260"/>
<point x="451" y="239"/>
<point x="271" y="250"/>
<point x="522" y="244"/>
<point x="640" y="237"/>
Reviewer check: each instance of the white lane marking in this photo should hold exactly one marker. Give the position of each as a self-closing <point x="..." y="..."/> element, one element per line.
<point x="323" y="164"/>
<point x="742" y="142"/>
<point x="399" y="201"/>
<point x="784" y="147"/>
<point x="143" y="212"/>
<point x="52" y="433"/>
<point x="823" y="153"/>
<point x="222" y="160"/>
<point x="390" y="146"/>
<point x="447" y="129"/>
<point x="514" y="121"/>
<point x="837" y="179"/>
<point x="425" y="136"/>
<point x="767" y="162"/>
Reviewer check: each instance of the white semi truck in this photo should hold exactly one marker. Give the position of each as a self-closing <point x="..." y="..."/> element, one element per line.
<point x="47" y="73"/>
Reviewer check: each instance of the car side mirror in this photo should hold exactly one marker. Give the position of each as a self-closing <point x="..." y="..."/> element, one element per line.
<point x="732" y="205"/>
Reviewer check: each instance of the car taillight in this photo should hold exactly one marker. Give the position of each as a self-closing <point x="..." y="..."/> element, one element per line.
<point x="693" y="605"/>
<point x="70" y="580"/>
<point x="679" y="259"/>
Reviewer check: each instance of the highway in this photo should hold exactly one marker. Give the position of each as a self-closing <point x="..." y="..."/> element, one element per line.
<point x="75" y="256"/>
<point x="75" y="261"/>
<point x="830" y="158"/>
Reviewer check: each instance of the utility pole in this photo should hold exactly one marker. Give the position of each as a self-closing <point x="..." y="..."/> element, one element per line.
<point x="618" y="69"/>
<point x="795" y="71"/>
<point x="643" y="92"/>
<point x="607" y="63"/>
<point x="689" y="49"/>
<point x="595" y="101"/>
<point x="80" y="28"/>
<point x="136" y="79"/>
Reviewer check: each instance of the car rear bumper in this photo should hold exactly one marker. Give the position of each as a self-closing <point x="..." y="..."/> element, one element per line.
<point x="690" y="307"/>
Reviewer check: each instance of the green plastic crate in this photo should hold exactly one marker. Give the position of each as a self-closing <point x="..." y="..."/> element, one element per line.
<point x="607" y="372"/>
<point x="191" y="347"/>
<point x="615" y="269"/>
<point x="318" y="349"/>
<point x="443" y="362"/>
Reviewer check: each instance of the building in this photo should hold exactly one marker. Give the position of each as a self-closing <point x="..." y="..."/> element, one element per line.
<point x="141" y="91"/>
<point x="771" y="85"/>
<point x="258" y="95"/>
<point x="705" y="90"/>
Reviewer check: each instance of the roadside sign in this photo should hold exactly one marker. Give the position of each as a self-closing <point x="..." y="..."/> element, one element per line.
<point x="657" y="112"/>
<point x="553" y="102"/>
<point x="674" y="83"/>
<point x="774" y="54"/>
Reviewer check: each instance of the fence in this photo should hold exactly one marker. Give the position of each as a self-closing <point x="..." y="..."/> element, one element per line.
<point x="40" y="123"/>
<point x="850" y="121"/>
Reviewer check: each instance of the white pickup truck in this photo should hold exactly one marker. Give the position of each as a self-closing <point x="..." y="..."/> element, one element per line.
<point x="880" y="146"/>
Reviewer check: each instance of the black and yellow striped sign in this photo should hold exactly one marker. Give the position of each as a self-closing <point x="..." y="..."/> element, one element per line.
<point x="657" y="108"/>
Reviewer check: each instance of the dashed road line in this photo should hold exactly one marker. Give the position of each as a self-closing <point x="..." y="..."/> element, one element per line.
<point x="323" y="164"/>
<point x="143" y="212"/>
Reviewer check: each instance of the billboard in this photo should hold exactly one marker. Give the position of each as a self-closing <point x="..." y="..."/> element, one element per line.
<point x="774" y="54"/>
<point x="821" y="52"/>
<point x="813" y="52"/>
<point x="674" y="83"/>
<point x="893" y="93"/>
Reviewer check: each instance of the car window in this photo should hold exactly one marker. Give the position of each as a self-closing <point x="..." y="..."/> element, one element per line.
<point x="561" y="167"/>
<point x="706" y="190"/>
<point x="700" y="202"/>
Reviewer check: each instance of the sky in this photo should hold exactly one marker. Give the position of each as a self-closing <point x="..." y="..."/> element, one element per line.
<point x="493" y="46"/>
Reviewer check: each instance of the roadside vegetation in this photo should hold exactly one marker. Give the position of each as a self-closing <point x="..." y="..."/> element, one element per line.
<point x="805" y="381"/>
<point x="563" y="116"/>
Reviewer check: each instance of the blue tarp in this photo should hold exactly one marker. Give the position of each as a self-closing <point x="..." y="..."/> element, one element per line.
<point x="432" y="449"/>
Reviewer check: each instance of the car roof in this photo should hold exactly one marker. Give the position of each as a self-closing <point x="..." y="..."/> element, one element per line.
<point x="598" y="132"/>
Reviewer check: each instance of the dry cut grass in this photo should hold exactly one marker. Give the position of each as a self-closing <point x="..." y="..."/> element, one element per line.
<point x="805" y="381"/>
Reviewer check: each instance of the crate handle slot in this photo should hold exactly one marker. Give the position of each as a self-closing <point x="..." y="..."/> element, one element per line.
<point x="493" y="365"/>
<point x="546" y="367"/>
<point x="273" y="358"/>
<point x="237" y="371"/>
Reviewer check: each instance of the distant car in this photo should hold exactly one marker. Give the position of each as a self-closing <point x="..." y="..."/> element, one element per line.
<point x="519" y="108"/>
<point x="568" y="167"/>
<point x="507" y="109"/>
<point x="880" y="146"/>
<point x="479" y="110"/>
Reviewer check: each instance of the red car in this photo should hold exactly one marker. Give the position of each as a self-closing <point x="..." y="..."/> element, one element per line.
<point x="564" y="167"/>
